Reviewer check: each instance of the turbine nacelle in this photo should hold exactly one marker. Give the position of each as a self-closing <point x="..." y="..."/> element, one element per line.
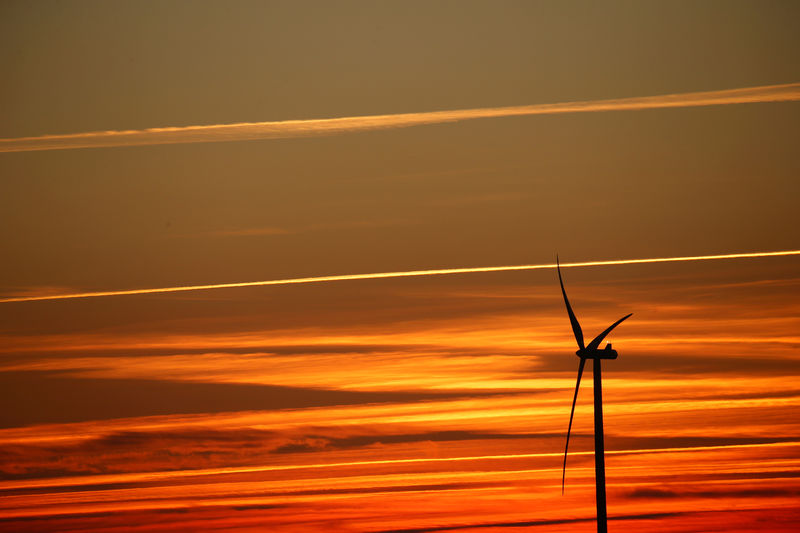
<point x="607" y="353"/>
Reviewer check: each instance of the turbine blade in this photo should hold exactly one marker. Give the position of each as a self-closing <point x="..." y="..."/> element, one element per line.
<point x="569" y="428"/>
<point x="597" y="340"/>
<point x="576" y="327"/>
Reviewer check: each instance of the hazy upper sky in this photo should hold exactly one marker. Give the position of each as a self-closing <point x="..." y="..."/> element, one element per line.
<point x="496" y="191"/>
<point x="372" y="371"/>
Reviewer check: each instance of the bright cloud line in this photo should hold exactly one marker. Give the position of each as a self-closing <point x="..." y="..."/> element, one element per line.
<point x="383" y="275"/>
<point x="331" y="126"/>
<point x="171" y="474"/>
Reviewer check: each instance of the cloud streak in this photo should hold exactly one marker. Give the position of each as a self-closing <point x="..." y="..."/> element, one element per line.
<point x="244" y="131"/>
<point x="403" y="274"/>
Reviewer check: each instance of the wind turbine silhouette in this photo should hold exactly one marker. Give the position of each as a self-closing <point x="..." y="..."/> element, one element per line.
<point x="593" y="352"/>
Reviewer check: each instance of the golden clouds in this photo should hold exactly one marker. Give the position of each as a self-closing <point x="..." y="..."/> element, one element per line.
<point x="690" y="427"/>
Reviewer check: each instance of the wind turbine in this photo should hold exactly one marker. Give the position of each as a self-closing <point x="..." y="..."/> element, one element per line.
<point x="592" y="351"/>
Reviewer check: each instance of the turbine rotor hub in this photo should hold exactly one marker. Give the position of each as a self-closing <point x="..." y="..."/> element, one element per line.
<point x="597" y="354"/>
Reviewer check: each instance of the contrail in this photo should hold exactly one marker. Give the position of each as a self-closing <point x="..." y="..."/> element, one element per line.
<point x="318" y="127"/>
<point x="382" y="275"/>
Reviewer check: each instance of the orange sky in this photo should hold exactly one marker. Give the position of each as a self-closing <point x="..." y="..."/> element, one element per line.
<point x="402" y="404"/>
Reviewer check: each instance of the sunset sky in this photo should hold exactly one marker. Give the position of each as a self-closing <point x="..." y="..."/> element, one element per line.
<point x="145" y="145"/>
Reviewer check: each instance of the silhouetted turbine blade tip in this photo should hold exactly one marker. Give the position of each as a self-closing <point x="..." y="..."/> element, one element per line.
<point x="576" y="327"/>
<point x="597" y="340"/>
<point x="569" y="428"/>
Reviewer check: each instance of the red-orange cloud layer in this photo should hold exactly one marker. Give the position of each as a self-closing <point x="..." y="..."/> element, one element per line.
<point x="391" y="424"/>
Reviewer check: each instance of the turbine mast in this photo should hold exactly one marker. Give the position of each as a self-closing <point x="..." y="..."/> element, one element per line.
<point x="599" y="450"/>
<point x="593" y="352"/>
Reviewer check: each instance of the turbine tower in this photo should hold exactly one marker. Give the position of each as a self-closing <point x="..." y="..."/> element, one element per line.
<point x="593" y="352"/>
